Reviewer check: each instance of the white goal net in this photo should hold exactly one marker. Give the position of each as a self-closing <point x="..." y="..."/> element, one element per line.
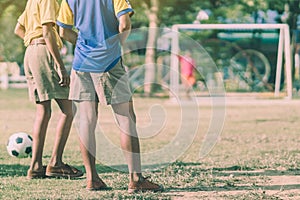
<point x="283" y="53"/>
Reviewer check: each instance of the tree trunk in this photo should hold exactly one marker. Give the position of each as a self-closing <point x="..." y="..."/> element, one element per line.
<point x="151" y="46"/>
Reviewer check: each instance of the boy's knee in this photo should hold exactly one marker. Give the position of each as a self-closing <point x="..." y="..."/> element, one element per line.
<point x="44" y="113"/>
<point x="69" y="115"/>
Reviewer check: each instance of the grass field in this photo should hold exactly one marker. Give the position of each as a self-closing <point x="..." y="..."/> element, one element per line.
<point x="257" y="155"/>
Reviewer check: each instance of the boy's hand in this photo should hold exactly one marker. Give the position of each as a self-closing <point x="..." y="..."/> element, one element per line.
<point x="64" y="77"/>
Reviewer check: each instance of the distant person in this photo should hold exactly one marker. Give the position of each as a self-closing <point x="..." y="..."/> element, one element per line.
<point x="272" y="15"/>
<point x="259" y="17"/>
<point x="285" y="16"/>
<point x="201" y="16"/>
<point x="47" y="79"/>
<point x="187" y="67"/>
<point x="98" y="76"/>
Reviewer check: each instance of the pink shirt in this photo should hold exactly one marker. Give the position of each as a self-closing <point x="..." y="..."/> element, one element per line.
<point x="187" y="65"/>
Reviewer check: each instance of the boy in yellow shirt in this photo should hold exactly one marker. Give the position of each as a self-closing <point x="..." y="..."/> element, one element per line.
<point x="47" y="79"/>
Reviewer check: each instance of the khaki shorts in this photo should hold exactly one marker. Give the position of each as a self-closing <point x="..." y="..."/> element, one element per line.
<point x="42" y="78"/>
<point x="110" y="87"/>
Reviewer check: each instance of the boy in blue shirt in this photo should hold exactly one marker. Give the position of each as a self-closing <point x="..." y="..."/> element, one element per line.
<point x="99" y="76"/>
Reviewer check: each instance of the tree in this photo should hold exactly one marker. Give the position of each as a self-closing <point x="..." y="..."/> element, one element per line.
<point x="156" y="12"/>
<point x="11" y="48"/>
<point x="169" y="12"/>
<point x="151" y="11"/>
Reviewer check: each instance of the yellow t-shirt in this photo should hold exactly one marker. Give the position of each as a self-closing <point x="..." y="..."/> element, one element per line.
<point x="37" y="13"/>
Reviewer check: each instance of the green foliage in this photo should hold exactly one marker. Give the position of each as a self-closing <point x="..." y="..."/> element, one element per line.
<point x="170" y="12"/>
<point x="177" y="11"/>
<point x="139" y="19"/>
<point x="180" y="12"/>
<point x="11" y="47"/>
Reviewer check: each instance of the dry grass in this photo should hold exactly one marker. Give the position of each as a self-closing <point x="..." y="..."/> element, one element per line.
<point x="257" y="155"/>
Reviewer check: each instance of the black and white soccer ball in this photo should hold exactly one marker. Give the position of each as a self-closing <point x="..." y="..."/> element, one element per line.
<point x="19" y="145"/>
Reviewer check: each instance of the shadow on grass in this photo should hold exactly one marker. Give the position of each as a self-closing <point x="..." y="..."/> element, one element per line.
<point x="149" y="168"/>
<point x="11" y="170"/>
<point x="222" y="182"/>
<point x="214" y="179"/>
<point x="7" y="170"/>
<point x="246" y="171"/>
<point x="235" y="188"/>
<point x="224" y="179"/>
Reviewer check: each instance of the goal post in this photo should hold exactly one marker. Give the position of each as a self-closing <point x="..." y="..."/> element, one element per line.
<point x="283" y="48"/>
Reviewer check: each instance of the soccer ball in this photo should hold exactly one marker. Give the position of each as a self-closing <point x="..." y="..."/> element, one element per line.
<point x="19" y="145"/>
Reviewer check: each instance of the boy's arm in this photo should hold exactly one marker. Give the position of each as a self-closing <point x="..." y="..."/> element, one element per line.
<point x="50" y="39"/>
<point x="20" y="30"/>
<point x="124" y="27"/>
<point x="68" y="34"/>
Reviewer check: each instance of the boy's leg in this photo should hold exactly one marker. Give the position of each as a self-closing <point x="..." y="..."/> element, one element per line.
<point x="87" y="124"/>
<point x="42" y="117"/>
<point x="82" y="92"/>
<point x="88" y="115"/>
<point x="62" y="131"/>
<point x="126" y="119"/>
<point x="56" y="167"/>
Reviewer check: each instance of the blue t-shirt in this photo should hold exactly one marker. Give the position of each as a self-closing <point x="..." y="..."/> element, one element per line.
<point x="98" y="45"/>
